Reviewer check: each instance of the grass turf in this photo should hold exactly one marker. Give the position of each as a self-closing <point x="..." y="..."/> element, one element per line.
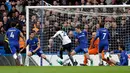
<point x="65" y="69"/>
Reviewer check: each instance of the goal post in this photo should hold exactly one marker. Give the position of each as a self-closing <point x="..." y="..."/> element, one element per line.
<point x="87" y="15"/>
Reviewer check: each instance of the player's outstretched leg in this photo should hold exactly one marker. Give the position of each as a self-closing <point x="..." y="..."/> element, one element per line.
<point x="100" y="60"/>
<point x="106" y="57"/>
<point x="71" y="58"/>
<point x="44" y="57"/>
<point x="88" y="58"/>
<point x="20" y="59"/>
<point x="15" y="56"/>
<point x="71" y="54"/>
<point x="60" y="53"/>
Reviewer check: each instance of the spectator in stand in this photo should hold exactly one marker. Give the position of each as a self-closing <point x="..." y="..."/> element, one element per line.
<point x="55" y="3"/>
<point x="102" y="2"/>
<point x="108" y="21"/>
<point x="95" y="2"/>
<point x="122" y="2"/>
<point x="4" y="14"/>
<point x="84" y="21"/>
<point x="2" y="8"/>
<point x="9" y="6"/>
<point x="83" y="2"/>
<point x="122" y="29"/>
<point x="22" y="20"/>
<point x="19" y="6"/>
<point x="24" y="30"/>
<point x="88" y="2"/>
<point x="36" y="27"/>
<point x="114" y="33"/>
<point x="66" y="27"/>
<point x="1" y="26"/>
<point x="33" y="19"/>
<point x="6" y="24"/>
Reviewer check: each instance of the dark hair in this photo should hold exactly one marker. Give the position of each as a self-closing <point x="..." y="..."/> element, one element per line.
<point x="101" y="25"/>
<point x="32" y="32"/>
<point x="123" y="47"/>
<point x="58" y="28"/>
<point x="78" y="27"/>
<point x="13" y="24"/>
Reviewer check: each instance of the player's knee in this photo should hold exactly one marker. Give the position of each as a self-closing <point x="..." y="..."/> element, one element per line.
<point x="87" y="56"/>
<point x="43" y="56"/>
<point x="15" y="56"/>
<point x="72" y="53"/>
<point x="29" y="54"/>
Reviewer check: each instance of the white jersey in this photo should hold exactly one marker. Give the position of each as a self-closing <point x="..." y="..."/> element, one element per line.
<point x="63" y="37"/>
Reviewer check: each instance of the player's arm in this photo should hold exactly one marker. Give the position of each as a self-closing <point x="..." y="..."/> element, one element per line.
<point x="97" y="35"/>
<point x="56" y="34"/>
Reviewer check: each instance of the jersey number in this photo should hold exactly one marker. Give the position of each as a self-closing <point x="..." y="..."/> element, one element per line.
<point x="12" y="35"/>
<point x="104" y="35"/>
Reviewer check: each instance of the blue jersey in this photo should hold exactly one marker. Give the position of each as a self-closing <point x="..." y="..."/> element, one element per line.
<point x="103" y="35"/>
<point x="13" y="35"/>
<point x="33" y="43"/>
<point x="123" y="58"/>
<point x="82" y="39"/>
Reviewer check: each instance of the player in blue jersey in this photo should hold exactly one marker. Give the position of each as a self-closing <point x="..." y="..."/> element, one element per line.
<point x="34" y="47"/>
<point x="103" y="35"/>
<point x="81" y="38"/>
<point x="13" y="35"/>
<point x="123" y="57"/>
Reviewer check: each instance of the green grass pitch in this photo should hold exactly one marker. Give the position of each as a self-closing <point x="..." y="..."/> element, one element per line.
<point x="65" y="69"/>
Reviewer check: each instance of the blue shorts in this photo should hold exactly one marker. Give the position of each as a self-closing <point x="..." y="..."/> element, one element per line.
<point x="39" y="52"/>
<point x="81" y="48"/>
<point x="14" y="47"/>
<point x="103" y="46"/>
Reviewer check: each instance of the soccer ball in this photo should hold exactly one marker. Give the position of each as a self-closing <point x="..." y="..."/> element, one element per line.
<point x="107" y="55"/>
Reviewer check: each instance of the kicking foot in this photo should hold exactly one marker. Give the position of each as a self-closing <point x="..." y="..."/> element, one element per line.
<point x="60" y="62"/>
<point x="75" y="63"/>
<point x="51" y="64"/>
<point x="100" y="64"/>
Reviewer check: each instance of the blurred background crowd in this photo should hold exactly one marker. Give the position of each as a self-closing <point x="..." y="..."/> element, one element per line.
<point x="116" y="20"/>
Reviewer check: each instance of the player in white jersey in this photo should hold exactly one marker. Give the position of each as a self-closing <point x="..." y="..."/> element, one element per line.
<point x="66" y="44"/>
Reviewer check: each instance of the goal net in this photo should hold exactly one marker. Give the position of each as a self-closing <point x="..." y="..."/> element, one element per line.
<point x="44" y="19"/>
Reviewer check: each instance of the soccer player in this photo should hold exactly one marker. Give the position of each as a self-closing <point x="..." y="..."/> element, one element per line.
<point x="94" y="50"/>
<point x="12" y="35"/>
<point x="66" y="44"/>
<point x="103" y="35"/>
<point x="81" y="38"/>
<point x="91" y="49"/>
<point x="123" y="57"/>
<point x="34" y="47"/>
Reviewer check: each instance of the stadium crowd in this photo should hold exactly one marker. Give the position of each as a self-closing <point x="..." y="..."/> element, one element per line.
<point x="14" y="10"/>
